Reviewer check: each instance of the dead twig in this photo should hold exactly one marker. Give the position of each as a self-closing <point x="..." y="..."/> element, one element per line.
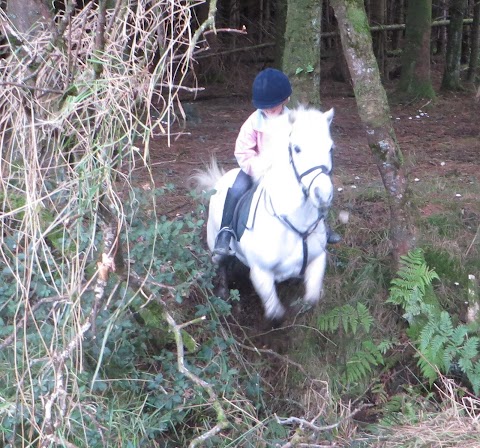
<point x="222" y="421"/>
<point x="311" y="425"/>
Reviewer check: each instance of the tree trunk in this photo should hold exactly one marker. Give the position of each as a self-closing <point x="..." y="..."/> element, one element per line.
<point x="30" y="17"/>
<point x="280" y="24"/>
<point x="378" y="16"/>
<point x="374" y="112"/>
<point x="451" y="74"/>
<point x="415" y="80"/>
<point x="474" y="52"/>
<point x="397" y="16"/>
<point x="301" y="57"/>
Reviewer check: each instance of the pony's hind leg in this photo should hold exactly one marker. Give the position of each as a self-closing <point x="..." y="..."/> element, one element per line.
<point x="314" y="279"/>
<point x="264" y="284"/>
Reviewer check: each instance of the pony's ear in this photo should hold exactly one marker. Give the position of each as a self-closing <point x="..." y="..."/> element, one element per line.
<point x="329" y="115"/>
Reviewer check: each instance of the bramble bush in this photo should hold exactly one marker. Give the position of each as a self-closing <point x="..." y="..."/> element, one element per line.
<point x="124" y="382"/>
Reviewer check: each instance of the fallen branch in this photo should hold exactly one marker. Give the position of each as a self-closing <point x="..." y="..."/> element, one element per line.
<point x="310" y="425"/>
<point x="276" y="355"/>
<point x="222" y="421"/>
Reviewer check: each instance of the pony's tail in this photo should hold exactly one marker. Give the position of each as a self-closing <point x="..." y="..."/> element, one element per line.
<point x="204" y="180"/>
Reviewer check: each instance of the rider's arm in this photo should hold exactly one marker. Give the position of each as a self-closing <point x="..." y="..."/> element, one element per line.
<point x="248" y="146"/>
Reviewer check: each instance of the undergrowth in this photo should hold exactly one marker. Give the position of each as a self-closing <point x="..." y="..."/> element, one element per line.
<point x="128" y="390"/>
<point x="443" y="343"/>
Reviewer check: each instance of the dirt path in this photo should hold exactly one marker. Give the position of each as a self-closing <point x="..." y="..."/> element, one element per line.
<point x="439" y="140"/>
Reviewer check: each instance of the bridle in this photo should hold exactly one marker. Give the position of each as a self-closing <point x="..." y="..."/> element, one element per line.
<point x="306" y="191"/>
<point x="321" y="168"/>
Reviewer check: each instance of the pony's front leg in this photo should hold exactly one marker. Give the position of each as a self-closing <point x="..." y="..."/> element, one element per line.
<point x="314" y="279"/>
<point x="221" y="289"/>
<point x="264" y="283"/>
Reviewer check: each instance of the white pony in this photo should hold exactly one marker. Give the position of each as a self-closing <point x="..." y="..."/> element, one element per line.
<point x="285" y="233"/>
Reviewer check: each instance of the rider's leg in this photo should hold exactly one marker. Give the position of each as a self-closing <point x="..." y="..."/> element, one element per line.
<point x="222" y="244"/>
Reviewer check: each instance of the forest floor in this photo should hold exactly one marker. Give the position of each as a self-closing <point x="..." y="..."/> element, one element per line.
<point x="439" y="139"/>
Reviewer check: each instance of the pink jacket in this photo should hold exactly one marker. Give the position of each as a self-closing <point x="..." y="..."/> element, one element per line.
<point x="251" y="141"/>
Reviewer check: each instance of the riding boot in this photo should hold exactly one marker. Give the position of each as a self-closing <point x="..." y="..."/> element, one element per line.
<point x="222" y="243"/>
<point x="332" y="236"/>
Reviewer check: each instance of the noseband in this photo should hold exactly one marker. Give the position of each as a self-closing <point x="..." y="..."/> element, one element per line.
<point x="321" y="168"/>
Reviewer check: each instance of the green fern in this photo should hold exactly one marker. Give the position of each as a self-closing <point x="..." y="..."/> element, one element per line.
<point x="362" y="362"/>
<point x="351" y="320"/>
<point x="439" y="342"/>
<point x="410" y="288"/>
<point x="347" y="317"/>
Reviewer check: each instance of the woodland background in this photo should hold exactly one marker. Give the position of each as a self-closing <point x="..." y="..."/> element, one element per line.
<point x="110" y="331"/>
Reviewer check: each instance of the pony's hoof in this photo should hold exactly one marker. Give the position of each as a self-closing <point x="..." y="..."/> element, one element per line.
<point x="277" y="317"/>
<point x="271" y="324"/>
<point x="276" y="323"/>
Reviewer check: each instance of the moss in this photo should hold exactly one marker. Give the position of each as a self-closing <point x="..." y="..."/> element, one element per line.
<point x="357" y="17"/>
<point x="301" y="58"/>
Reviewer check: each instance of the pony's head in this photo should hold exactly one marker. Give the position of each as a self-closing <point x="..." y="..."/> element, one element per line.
<point x="310" y="153"/>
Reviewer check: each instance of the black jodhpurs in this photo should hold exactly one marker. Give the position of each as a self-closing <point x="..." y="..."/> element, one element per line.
<point x="242" y="183"/>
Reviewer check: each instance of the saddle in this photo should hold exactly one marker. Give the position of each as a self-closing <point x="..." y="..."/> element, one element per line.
<point x="242" y="211"/>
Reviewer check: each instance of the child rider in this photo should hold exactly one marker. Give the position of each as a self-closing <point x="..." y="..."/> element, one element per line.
<point x="270" y="92"/>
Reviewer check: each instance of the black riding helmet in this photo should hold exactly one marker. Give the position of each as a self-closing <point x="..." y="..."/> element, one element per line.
<point x="271" y="87"/>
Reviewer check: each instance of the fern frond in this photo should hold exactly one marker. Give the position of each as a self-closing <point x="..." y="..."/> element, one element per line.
<point x="349" y="318"/>
<point x="466" y="365"/>
<point x="330" y="321"/>
<point x="426" y="334"/>
<point x="475" y="382"/>
<point x="385" y="345"/>
<point x="436" y="348"/>
<point x="459" y="334"/>
<point x="449" y="355"/>
<point x="413" y="279"/>
<point x="470" y="348"/>
<point x="429" y="370"/>
<point x="445" y="324"/>
<point x="364" y="317"/>
<point x="440" y="343"/>
<point x="362" y="362"/>
<point x="356" y="369"/>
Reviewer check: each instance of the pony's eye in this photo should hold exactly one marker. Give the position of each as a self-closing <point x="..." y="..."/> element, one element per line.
<point x="296" y="149"/>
